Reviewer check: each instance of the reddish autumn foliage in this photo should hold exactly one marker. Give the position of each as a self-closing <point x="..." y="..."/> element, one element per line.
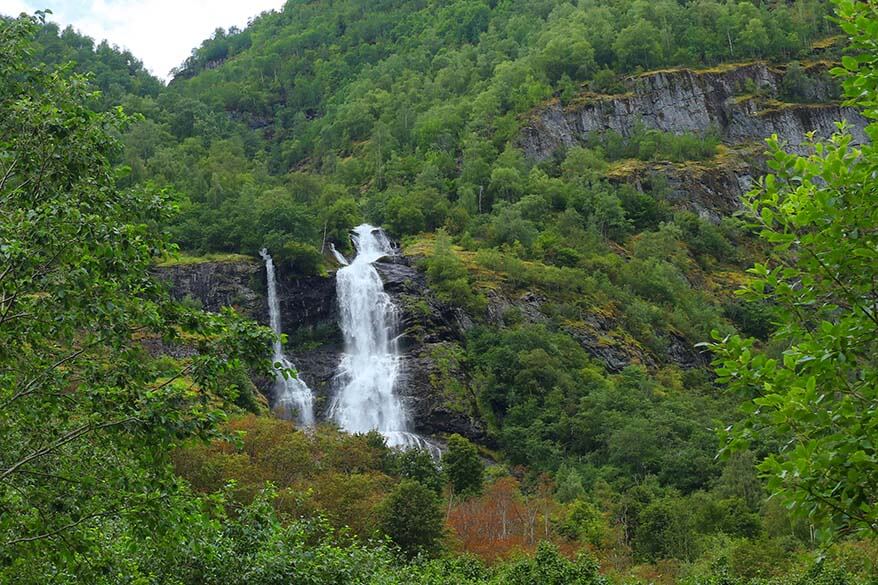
<point x="503" y="520"/>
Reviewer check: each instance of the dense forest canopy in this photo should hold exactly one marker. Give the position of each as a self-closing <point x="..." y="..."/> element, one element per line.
<point x="344" y="106"/>
<point x="602" y="455"/>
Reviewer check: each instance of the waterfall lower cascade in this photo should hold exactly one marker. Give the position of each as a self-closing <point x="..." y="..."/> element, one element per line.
<point x="292" y="396"/>
<point x="370" y="366"/>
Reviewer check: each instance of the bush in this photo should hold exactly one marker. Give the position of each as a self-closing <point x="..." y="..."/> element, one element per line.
<point x="548" y="567"/>
<point x="649" y="144"/>
<point x="299" y="258"/>
<point x="606" y="81"/>
<point x="448" y="277"/>
<point x="413" y="519"/>
<point x="462" y="467"/>
<point x="704" y="238"/>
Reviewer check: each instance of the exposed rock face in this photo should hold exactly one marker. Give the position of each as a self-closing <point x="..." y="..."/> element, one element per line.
<point x="215" y="285"/>
<point x="711" y="189"/>
<point x="598" y="334"/>
<point x="428" y="329"/>
<point x="316" y="367"/>
<point x="433" y="383"/>
<point x="307" y="301"/>
<point x="309" y="315"/>
<point x="692" y="101"/>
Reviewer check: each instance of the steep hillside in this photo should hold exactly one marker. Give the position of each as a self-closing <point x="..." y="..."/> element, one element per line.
<point x="585" y="241"/>
<point x="561" y="184"/>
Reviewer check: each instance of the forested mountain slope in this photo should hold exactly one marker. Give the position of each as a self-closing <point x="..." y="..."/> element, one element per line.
<point x="347" y="106"/>
<point x="563" y="181"/>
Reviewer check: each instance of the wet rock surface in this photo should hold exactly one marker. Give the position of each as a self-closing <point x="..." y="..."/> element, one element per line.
<point x="317" y="368"/>
<point x="430" y="334"/>
<point x="305" y="302"/>
<point x="309" y="315"/>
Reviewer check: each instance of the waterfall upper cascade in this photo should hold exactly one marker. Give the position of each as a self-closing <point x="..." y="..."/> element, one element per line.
<point x="370" y="365"/>
<point x="292" y="396"/>
<point x="338" y="255"/>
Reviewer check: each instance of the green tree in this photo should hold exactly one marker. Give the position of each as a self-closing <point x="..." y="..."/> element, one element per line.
<point x="665" y="530"/>
<point x="462" y="467"/>
<point x="87" y="417"/>
<point x="819" y="397"/>
<point x="418" y="465"/>
<point x="569" y="485"/>
<point x="584" y="522"/>
<point x="412" y="517"/>
<point x="754" y="37"/>
<point x="638" y="46"/>
<point x="449" y="278"/>
<point x="563" y="56"/>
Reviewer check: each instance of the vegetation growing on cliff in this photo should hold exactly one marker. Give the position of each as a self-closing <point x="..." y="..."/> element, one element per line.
<point x="322" y="114"/>
<point x="819" y="395"/>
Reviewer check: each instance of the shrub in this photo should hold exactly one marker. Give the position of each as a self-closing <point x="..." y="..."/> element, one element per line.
<point x="413" y="519"/>
<point x="462" y="467"/>
<point x="448" y="277"/>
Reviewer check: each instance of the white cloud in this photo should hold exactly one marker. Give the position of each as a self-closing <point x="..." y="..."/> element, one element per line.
<point x="161" y="33"/>
<point x="14" y="7"/>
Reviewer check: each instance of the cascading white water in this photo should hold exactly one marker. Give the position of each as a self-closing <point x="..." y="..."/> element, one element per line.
<point x="292" y="396"/>
<point x="370" y="366"/>
<point x="338" y="255"/>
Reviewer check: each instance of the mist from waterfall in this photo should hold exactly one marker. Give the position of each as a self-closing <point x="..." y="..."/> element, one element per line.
<point x="370" y="365"/>
<point x="293" y="398"/>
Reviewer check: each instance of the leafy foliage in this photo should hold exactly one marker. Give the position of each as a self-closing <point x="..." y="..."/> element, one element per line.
<point x="87" y="417"/>
<point x="818" y="397"/>
<point x="412" y="518"/>
<point x="315" y="116"/>
<point x="587" y="294"/>
<point x="461" y="465"/>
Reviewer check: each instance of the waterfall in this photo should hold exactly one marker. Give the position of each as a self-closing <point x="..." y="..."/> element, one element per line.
<point x="291" y="395"/>
<point x="370" y="365"/>
<point x="338" y="255"/>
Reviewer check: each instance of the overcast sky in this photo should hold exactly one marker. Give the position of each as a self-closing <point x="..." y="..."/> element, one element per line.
<point x="161" y="33"/>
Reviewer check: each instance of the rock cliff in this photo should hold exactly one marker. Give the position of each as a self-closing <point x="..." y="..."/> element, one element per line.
<point x="432" y="383"/>
<point x="435" y="382"/>
<point x="739" y="101"/>
<point x="217" y="284"/>
<point x="711" y="188"/>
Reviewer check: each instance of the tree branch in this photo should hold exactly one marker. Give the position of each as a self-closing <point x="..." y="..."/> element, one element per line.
<point x="60" y="530"/>
<point x="7" y="175"/>
<point x="67" y="438"/>
<point x="852" y="298"/>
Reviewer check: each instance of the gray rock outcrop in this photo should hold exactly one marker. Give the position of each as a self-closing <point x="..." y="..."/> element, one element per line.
<point x="214" y="285"/>
<point x="429" y="329"/>
<point x="309" y="316"/>
<point x="685" y="100"/>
